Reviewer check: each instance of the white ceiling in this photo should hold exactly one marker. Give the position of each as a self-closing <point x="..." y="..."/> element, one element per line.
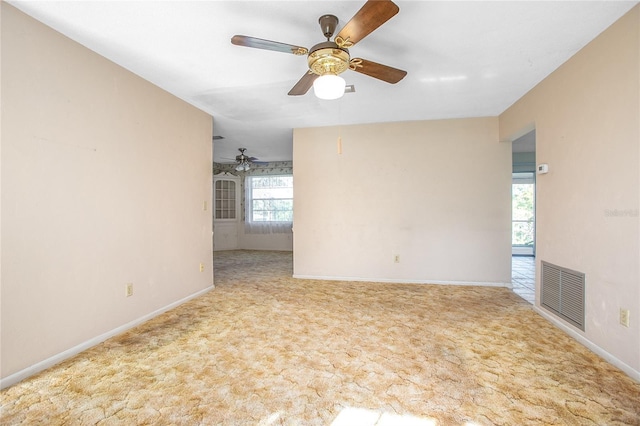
<point x="464" y="59"/>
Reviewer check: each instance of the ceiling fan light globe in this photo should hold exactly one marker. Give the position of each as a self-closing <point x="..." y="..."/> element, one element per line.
<point x="329" y="87"/>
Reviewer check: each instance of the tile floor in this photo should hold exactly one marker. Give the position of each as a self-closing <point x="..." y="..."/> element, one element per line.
<point x="523" y="277"/>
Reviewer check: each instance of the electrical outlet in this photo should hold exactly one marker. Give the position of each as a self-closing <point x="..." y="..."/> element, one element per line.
<point x="202" y="267"/>
<point x="204" y="206"/>
<point x="129" y="290"/>
<point x="624" y="317"/>
<point x="396" y="258"/>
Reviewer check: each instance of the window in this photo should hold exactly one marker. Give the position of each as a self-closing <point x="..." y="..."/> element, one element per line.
<point x="269" y="203"/>
<point x="523" y="213"/>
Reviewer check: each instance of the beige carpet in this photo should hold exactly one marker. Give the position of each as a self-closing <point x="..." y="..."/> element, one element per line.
<point x="263" y="348"/>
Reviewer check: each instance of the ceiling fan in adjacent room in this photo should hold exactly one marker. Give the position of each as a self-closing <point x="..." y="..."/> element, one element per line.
<point x="328" y="59"/>
<point x="244" y="162"/>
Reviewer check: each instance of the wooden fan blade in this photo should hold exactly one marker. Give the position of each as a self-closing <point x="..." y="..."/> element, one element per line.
<point x="304" y="84"/>
<point x="258" y="43"/>
<point x="379" y="71"/>
<point x="373" y="14"/>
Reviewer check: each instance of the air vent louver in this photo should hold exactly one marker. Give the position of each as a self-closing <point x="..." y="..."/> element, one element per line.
<point x="562" y="292"/>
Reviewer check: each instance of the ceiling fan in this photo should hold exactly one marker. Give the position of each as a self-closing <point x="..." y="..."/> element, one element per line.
<point x="244" y="161"/>
<point x="328" y="59"/>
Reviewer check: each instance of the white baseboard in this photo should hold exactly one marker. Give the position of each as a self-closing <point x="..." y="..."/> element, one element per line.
<point x="630" y="371"/>
<point x="403" y="281"/>
<point x="56" y="359"/>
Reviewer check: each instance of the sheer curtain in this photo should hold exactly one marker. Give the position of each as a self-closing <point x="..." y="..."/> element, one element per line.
<point x="251" y="227"/>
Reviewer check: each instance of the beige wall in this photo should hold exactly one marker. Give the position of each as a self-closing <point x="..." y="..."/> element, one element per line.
<point x="436" y="193"/>
<point x="280" y="242"/>
<point x="587" y="120"/>
<point x="103" y="182"/>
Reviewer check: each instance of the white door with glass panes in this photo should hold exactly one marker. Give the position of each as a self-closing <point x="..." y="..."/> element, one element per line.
<point x="226" y="211"/>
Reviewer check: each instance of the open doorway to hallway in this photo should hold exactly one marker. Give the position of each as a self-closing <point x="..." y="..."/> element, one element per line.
<point x="523" y="216"/>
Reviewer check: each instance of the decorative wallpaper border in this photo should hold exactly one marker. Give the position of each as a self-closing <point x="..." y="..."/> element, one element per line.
<point x="274" y="168"/>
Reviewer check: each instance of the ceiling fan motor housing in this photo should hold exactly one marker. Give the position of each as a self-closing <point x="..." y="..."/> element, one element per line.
<point x="328" y="58"/>
<point x="328" y="24"/>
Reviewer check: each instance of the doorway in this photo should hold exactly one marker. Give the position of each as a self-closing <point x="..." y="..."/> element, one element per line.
<point x="523" y="194"/>
<point x="523" y="216"/>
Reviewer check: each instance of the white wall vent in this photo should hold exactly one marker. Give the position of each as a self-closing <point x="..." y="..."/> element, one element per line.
<point x="563" y="293"/>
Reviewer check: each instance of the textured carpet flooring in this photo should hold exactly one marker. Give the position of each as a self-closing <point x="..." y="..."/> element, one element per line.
<point x="265" y="349"/>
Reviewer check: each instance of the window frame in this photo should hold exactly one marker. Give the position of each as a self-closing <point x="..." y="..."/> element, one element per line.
<point x="271" y="226"/>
